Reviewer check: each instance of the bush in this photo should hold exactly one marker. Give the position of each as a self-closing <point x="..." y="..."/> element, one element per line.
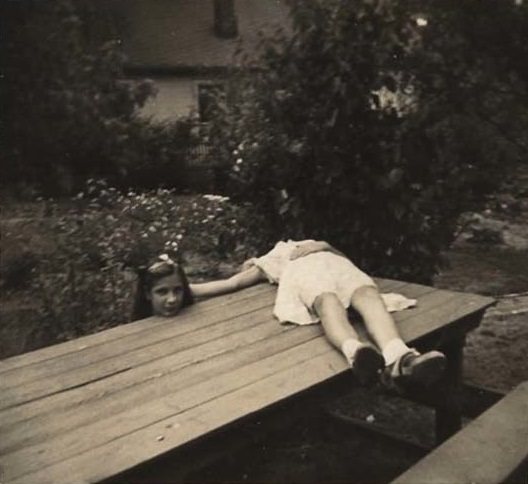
<point x="157" y="155"/>
<point x="355" y="127"/>
<point x="87" y="283"/>
<point x="16" y="270"/>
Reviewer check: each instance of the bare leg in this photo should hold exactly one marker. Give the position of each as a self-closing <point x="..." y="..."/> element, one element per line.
<point x="334" y="319"/>
<point x="365" y="360"/>
<point x="379" y="323"/>
<point x="402" y="362"/>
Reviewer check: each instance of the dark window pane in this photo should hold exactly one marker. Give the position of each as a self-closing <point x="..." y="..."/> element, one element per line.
<point x="207" y="95"/>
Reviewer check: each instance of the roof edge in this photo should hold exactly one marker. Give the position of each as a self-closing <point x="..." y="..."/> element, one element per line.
<point x="164" y="70"/>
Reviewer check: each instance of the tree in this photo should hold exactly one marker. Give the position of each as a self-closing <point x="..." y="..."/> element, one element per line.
<point x="67" y="112"/>
<point x="357" y="126"/>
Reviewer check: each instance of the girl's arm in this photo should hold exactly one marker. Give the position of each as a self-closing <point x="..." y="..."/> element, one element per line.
<point x="246" y="278"/>
<point x="314" y="246"/>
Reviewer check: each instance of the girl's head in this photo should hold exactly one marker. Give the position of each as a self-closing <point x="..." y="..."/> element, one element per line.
<point x="162" y="290"/>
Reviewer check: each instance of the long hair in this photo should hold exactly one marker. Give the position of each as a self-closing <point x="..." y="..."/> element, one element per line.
<point x="145" y="282"/>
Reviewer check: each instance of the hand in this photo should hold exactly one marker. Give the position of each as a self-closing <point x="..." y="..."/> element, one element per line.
<point x="308" y="248"/>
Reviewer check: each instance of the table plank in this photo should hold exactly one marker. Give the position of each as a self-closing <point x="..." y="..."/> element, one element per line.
<point x="188" y="322"/>
<point x="164" y="409"/>
<point x="141" y="326"/>
<point x="180" y="373"/>
<point x="152" y="370"/>
<point x="439" y="310"/>
<point x="182" y="336"/>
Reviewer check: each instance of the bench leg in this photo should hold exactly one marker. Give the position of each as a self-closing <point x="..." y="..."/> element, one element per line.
<point x="449" y="407"/>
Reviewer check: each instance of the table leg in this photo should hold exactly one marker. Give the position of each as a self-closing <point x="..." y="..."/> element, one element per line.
<point x="449" y="405"/>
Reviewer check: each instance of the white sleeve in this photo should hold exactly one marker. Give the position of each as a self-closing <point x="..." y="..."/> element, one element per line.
<point x="273" y="262"/>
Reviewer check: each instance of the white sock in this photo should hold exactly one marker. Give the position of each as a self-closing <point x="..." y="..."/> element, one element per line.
<point x="395" y="349"/>
<point x="349" y="348"/>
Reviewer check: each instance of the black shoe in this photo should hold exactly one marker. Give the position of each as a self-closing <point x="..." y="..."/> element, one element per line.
<point x="414" y="367"/>
<point x="368" y="364"/>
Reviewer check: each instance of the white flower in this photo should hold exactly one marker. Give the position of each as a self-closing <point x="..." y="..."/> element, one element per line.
<point x="215" y="198"/>
<point x="239" y="160"/>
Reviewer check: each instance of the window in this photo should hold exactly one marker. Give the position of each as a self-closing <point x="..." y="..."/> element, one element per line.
<point x="208" y="92"/>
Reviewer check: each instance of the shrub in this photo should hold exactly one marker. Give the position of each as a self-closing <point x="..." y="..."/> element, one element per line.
<point x="159" y="155"/>
<point x="88" y="281"/>
<point x="16" y="270"/>
<point x="355" y="128"/>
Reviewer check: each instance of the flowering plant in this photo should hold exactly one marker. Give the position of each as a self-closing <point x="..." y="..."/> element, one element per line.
<point x="87" y="283"/>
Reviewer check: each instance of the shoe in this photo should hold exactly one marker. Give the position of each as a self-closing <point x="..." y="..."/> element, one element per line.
<point x="368" y="364"/>
<point x="413" y="367"/>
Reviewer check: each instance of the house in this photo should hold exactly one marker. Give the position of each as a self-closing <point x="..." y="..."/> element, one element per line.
<point x="186" y="46"/>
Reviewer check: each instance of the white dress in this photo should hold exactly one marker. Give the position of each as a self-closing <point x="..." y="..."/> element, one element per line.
<point x="301" y="280"/>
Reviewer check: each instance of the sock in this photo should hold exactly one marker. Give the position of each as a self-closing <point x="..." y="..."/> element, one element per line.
<point x="394" y="349"/>
<point x="349" y="348"/>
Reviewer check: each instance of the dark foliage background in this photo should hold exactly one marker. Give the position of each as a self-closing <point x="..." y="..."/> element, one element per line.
<point x="67" y="112"/>
<point x="375" y="124"/>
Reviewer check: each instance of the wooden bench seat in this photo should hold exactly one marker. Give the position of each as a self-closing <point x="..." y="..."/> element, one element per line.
<point x="88" y="409"/>
<point x="489" y="450"/>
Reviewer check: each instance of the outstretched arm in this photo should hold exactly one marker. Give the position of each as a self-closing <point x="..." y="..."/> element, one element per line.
<point x="314" y="246"/>
<point x="246" y="278"/>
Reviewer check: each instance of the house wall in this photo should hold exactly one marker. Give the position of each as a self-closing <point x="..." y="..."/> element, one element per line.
<point x="175" y="97"/>
<point x="178" y="96"/>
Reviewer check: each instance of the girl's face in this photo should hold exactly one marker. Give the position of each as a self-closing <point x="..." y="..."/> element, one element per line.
<point x="166" y="296"/>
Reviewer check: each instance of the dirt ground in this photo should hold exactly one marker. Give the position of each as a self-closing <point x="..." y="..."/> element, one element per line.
<point x="491" y="257"/>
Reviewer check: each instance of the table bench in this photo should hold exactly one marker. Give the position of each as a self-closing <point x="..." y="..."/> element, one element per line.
<point x="489" y="450"/>
<point x="91" y="408"/>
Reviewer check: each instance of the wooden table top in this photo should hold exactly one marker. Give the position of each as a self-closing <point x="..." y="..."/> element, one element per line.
<point x="89" y="408"/>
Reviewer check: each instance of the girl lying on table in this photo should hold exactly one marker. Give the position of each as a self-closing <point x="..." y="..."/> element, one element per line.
<point x="315" y="283"/>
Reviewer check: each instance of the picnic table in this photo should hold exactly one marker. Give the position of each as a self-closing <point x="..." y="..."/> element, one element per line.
<point x="88" y="409"/>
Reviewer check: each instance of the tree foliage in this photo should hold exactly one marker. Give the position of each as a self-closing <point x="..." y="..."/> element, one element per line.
<point x="68" y="113"/>
<point x="374" y="123"/>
